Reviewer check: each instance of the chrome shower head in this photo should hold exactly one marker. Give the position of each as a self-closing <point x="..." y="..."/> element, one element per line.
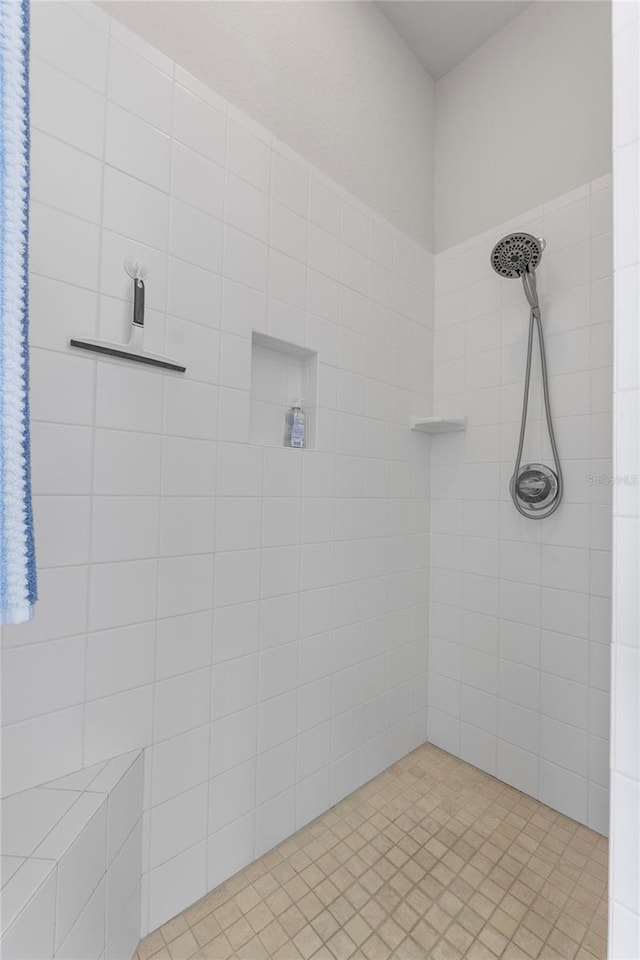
<point x="516" y="254"/>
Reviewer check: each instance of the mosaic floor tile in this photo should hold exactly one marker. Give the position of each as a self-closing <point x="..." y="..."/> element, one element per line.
<point x="431" y="859"/>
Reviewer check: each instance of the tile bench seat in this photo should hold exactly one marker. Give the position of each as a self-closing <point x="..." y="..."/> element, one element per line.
<point x="71" y="865"/>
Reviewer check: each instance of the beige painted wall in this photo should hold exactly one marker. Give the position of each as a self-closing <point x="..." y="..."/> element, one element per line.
<point x="332" y="80"/>
<point x="525" y="118"/>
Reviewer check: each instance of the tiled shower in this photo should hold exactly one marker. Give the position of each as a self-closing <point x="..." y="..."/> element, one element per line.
<point x="233" y="636"/>
<point x="520" y="610"/>
<point x="254" y="617"/>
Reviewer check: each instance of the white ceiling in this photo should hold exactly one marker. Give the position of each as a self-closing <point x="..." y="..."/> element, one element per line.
<point x="441" y="33"/>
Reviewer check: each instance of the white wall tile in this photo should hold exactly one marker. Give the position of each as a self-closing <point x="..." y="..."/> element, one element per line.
<point x="196" y="237"/>
<point x="324" y="207"/>
<point x="194" y="294"/>
<point x="127" y="401"/>
<point x="177" y="884"/>
<point x="124" y="528"/>
<point x="67" y="109"/>
<point x="275" y="820"/>
<point x="288" y="232"/>
<point x="183" y="644"/>
<point x="248" y="157"/>
<point x="178" y="824"/>
<point x="119" y="660"/>
<point x="41" y="749"/>
<point x="278" y="668"/>
<point x="563" y="790"/>
<point x="124" y="808"/>
<point x="514" y="575"/>
<point x="65" y="177"/>
<point x="33" y="932"/>
<point x="232" y="794"/>
<point x="60" y="615"/>
<point x="177" y="543"/>
<point x="117" y="724"/>
<point x="245" y="259"/>
<point x="233" y="740"/>
<point x="197" y="181"/>
<point x="126" y="464"/>
<point x="179" y="763"/>
<point x="247" y="208"/>
<point x="187" y="525"/>
<point x="135" y="209"/>
<point x="137" y="148"/>
<point x="63" y="37"/>
<point x="236" y="631"/>
<point x="290" y="183"/>
<point x="237" y="577"/>
<point x="139" y="86"/>
<point x="87" y="936"/>
<point x="42" y="678"/>
<point x="122" y="593"/>
<point x="79" y="873"/>
<point x="182" y="703"/>
<point x="238" y="523"/>
<point x="63" y="523"/>
<point x="126" y="932"/>
<point x="188" y="467"/>
<point x="184" y="584"/>
<point x="74" y="256"/>
<point x="230" y="849"/>
<point x="196" y="346"/>
<point x="275" y="771"/>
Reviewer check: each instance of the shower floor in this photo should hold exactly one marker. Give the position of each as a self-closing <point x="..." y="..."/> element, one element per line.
<point x="433" y="858"/>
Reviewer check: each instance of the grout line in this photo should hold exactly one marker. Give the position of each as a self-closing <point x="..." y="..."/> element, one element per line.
<point x="94" y="410"/>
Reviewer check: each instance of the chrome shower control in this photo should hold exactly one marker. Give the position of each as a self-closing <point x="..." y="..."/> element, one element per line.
<point x="535" y="487"/>
<point x="536" y="490"/>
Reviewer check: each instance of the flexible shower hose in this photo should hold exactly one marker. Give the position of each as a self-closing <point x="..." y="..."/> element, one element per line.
<point x="535" y="318"/>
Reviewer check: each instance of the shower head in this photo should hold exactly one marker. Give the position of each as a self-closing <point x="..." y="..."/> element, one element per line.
<point x="516" y="255"/>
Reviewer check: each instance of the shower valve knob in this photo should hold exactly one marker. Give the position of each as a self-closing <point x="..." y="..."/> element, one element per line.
<point x="535" y="486"/>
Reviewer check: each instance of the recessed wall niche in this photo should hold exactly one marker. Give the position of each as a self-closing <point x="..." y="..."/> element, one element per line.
<point x="280" y="373"/>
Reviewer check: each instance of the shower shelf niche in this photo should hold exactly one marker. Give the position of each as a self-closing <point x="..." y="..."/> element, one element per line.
<point x="438" y="424"/>
<point x="281" y="371"/>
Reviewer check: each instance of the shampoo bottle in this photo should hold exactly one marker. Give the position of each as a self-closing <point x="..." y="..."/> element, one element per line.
<point x="295" y="432"/>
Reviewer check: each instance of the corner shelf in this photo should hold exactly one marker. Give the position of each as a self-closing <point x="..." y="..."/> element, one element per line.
<point x="438" y="424"/>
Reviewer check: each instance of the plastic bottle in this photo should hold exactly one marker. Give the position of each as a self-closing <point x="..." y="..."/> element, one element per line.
<point x="295" y="430"/>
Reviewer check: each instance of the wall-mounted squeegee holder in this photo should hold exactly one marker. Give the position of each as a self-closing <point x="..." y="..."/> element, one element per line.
<point x="134" y="348"/>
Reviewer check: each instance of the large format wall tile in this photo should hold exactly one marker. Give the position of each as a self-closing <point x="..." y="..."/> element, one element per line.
<point x="520" y="609"/>
<point x="212" y="600"/>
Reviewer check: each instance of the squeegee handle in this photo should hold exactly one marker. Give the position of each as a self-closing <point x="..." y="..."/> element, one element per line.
<point x="138" y="303"/>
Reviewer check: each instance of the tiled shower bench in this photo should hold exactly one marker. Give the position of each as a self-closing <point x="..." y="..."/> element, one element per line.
<point x="71" y="865"/>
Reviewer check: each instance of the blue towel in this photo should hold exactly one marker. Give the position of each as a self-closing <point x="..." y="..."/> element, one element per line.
<point x="17" y="555"/>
